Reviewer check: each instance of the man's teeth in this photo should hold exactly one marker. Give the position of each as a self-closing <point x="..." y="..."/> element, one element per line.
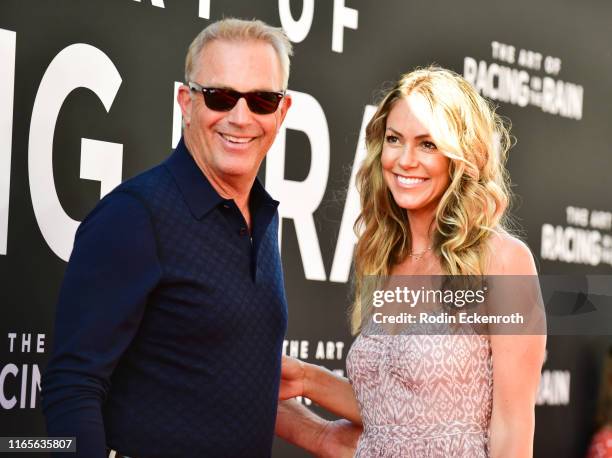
<point x="236" y="139"/>
<point x="407" y="180"/>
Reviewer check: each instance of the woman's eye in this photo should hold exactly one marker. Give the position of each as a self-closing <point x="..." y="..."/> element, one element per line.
<point x="391" y="139"/>
<point x="428" y="145"/>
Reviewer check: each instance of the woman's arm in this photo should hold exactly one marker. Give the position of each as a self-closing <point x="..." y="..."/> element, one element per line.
<point x="517" y="365"/>
<point x="330" y="391"/>
<point x="299" y="426"/>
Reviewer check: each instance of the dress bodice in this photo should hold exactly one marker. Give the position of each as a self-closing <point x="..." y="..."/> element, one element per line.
<point x="422" y="395"/>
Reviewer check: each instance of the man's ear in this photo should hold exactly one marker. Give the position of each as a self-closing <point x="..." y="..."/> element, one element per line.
<point x="285" y="105"/>
<point x="185" y="102"/>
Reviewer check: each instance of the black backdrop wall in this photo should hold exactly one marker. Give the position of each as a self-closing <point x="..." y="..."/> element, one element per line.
<point x="87" y="100"/>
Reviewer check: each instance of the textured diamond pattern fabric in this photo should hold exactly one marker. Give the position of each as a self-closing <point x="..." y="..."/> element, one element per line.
<point x="216" y="332"/>
<point x="422" y="396"/>
<point x="199" y="367"/>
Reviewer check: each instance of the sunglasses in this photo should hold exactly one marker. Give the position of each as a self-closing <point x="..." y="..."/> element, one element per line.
<point x="219" y="99"/>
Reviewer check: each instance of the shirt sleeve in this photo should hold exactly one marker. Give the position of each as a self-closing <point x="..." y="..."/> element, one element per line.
<point x="113" y="268"/>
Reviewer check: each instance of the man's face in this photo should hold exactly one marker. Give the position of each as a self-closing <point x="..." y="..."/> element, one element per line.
<point x="229" y="146"/>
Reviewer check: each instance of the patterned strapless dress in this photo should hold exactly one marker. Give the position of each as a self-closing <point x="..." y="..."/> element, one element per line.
<point x="422" y="396"/>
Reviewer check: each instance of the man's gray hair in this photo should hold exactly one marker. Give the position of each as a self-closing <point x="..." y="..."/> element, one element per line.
<point x="233" y="29"/>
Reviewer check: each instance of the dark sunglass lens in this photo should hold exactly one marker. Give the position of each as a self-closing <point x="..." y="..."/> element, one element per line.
<point x="221" y="99"/>
<point x="263" y="102"/>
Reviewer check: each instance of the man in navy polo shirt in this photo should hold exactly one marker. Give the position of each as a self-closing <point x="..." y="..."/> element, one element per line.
<point x="172" y="313"/>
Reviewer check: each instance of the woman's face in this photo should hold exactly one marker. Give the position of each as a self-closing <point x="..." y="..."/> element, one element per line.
<point x="415" y="171"/>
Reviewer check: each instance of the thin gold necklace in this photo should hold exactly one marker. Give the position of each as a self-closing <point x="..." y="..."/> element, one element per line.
<point x="419" y="256"/>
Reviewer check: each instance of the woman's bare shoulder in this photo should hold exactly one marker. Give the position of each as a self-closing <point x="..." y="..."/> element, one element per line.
<point x="509" y="255"/>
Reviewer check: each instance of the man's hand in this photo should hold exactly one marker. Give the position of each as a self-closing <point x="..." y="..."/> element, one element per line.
<point x="299" y="426"/>
<point x="292" y="378"/>
<point x="339" y="439"/>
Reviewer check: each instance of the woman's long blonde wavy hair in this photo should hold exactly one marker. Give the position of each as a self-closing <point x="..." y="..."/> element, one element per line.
<point x="467" y="130"/>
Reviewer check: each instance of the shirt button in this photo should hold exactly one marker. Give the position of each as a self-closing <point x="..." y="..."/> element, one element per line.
<point x="243" y="231"/>
<point x="225" y="206"/>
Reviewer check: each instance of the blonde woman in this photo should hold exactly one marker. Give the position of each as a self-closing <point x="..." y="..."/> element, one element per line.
<point x="433" y="195"/>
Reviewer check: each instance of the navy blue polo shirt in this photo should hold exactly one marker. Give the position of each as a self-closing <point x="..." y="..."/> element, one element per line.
<point x="170" y="322"/>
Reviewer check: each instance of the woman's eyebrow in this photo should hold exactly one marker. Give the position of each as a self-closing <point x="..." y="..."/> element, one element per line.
<point x="418" y="137"/>
<point x="396" y="132"/>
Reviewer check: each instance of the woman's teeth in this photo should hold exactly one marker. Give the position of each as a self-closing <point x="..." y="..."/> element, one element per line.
<point x="409" y="180"/>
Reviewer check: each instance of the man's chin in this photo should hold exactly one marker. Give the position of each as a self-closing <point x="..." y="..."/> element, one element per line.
<point x="236" y="171"/>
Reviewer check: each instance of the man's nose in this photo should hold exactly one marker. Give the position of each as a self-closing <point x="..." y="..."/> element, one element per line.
<point x="240" y="114"/>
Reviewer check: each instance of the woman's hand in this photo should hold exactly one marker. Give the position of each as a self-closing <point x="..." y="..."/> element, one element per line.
<point x="293" y="373"/>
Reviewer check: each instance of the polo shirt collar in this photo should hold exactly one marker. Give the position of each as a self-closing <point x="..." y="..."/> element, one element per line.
<point x="259" y="197"/>
<point x="197" y="191"/>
